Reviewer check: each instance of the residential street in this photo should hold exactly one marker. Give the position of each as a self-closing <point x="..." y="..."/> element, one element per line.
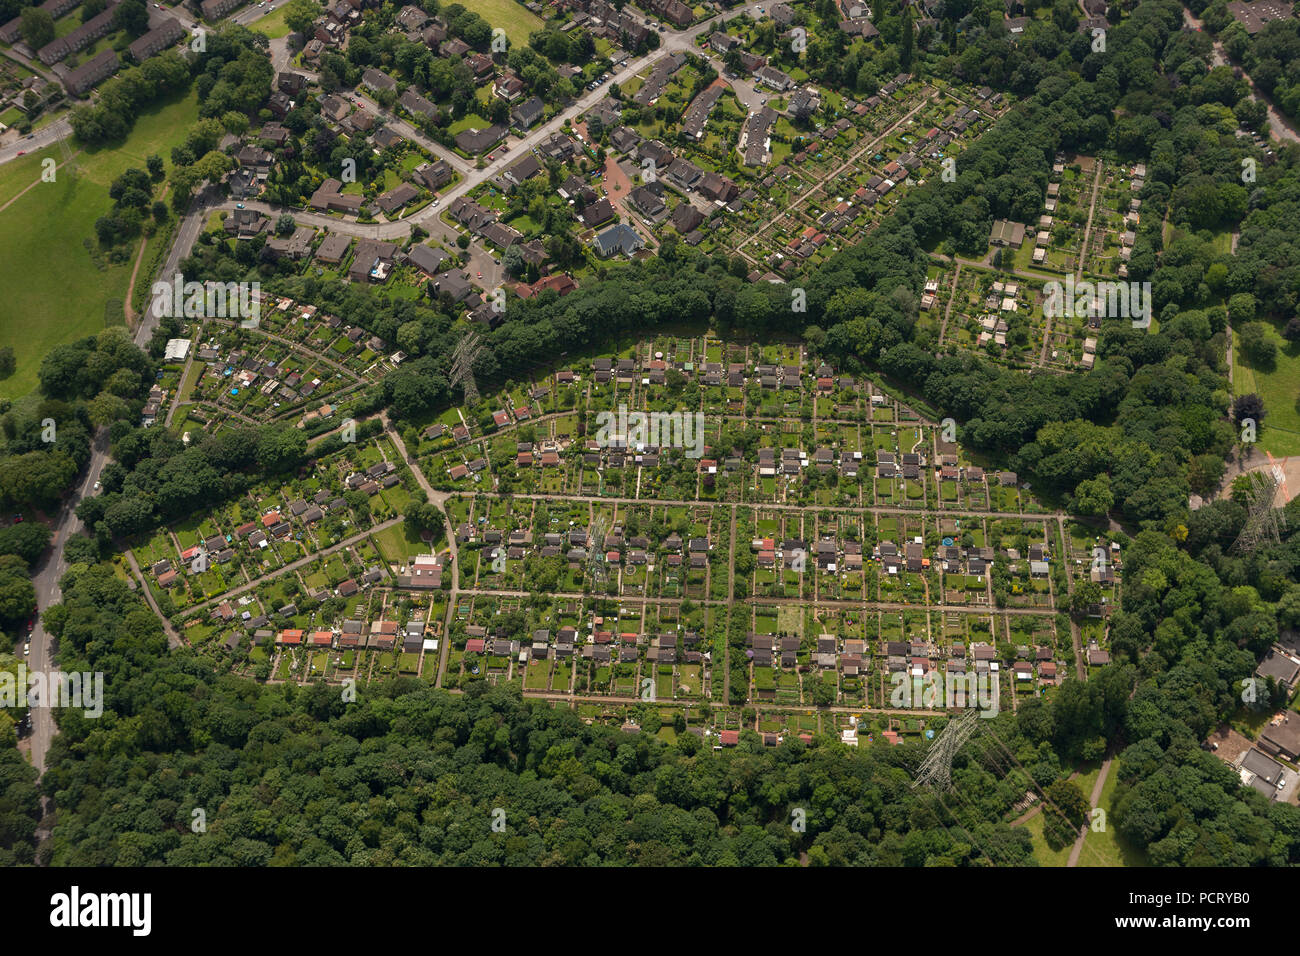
<point x="53" y="565"/>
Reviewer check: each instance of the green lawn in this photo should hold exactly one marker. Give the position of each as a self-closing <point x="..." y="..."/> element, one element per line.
<point x="1108" y="848"/>
<point x="53" y="290"/>
<point x="396" y="546"/>
<point x="1045" y="855"/>
<point x="507" y="14"/>
<point x="1279" y="388"/>
<point x="273" y="25"/>
<point x="468" y="121"/>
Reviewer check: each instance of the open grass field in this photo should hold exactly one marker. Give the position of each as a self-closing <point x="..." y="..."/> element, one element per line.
<point x="1107" y="847"/>
<point x="1280" y="389"/>
<point x="396" y="546"/>
<point x="52" y="288"/>
<point x="512" y="17"/>
<point x="1045" y="855"/>
<point x="273" y="25"/>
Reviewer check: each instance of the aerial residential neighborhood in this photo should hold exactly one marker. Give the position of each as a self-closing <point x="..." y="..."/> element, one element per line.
<point x="651" y="434"/>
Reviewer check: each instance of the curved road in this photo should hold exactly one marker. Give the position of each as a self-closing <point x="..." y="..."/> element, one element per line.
<point x="1279" y="127"/>
<point x="53" y="565"/>
<point x="428" y="217"/>
<point x="45" y="136"/>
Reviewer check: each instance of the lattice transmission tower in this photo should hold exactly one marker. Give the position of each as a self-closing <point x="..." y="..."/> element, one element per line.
<point x="462" y="366"/>
<point x="936" y="768"/>
<point x="1264" y="523"/>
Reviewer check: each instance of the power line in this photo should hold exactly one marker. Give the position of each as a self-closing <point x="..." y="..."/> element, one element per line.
<point x="462" y="365"/>
<point x="1042" y="792"/>
<point x="936" y="768"/>
<point x="1264" y="523"/>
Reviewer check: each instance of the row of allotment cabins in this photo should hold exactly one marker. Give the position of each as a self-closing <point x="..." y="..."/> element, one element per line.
<point x="274" y="525"/>
<point x="225" y="612"/>
<point x="245" y="371"/>
<point x="355" y="634"/>
<point x="852" y="657"/>
<point x="574" y="546"/>
<point x="598" y="646"/>
<point x="831" y="555"/>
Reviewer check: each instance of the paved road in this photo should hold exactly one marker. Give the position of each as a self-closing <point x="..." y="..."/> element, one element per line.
<point x="292" y="566"/>
<point x="427" y="218"/>
<point x="1094" y="799"/>
<point x="60" y="129"/>
<point x="45" y="136"/>
<point x="1280" y="128"/>
<point x="53" y="566"/>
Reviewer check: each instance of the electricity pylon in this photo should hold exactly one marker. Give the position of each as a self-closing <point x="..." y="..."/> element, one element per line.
<point x="936" y="768"/>
<point x="1264" y="523"/>
<point x="462" y="366"/>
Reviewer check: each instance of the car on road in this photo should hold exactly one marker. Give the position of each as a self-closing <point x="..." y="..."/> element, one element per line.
<point x="31" y="624"/>
<point x="239" y="205"/>
<point x="27" y="649"/>
<point x="22" y="152"/>
<point x="96" y="488"/>
<point x="435" y="203"/>
<point x="18" y="519"/>
<point x="480" y="275"/>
